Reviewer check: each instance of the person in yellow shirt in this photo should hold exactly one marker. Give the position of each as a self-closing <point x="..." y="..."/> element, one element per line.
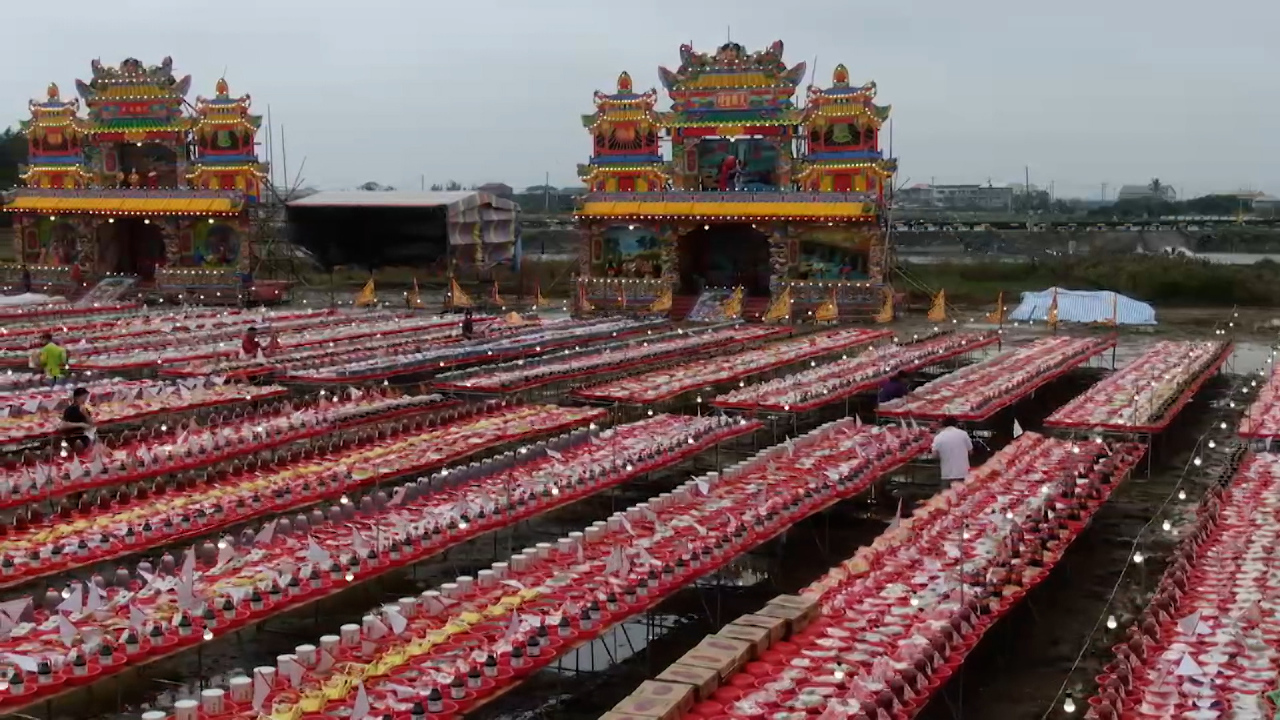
<point x="52" y="359"/>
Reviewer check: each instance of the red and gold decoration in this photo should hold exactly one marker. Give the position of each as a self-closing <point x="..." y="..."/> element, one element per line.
<point x="796" y="194"/>
<point x="142" y="183"/>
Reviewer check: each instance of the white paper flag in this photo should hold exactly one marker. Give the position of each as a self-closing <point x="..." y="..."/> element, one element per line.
<point x="317" y="554"/>
<point x="66" y="631"/>
<point x="13" y="609"/>
<point x="96" y="598"/>
<point x="360" y="710"/>
<point x="73" y="603"/>
<point x="137" y="618"/>
<point x="261" y="689"/>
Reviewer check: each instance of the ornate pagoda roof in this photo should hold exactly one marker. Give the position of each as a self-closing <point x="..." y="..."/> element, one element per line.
<point x="731" y="67"/>
<point x="54" y="112"/>
<point x="843" y="100"/>
<point x="135" y="98"/>
<point x="624" y="105"/>
<point x="222" y="111"/>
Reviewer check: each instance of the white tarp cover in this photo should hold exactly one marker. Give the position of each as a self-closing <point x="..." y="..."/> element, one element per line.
<point x="1084" y="306"/>
<point x="30" y="299"/>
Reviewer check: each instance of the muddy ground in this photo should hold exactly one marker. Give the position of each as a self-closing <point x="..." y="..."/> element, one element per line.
<point x="1015" y="673"/>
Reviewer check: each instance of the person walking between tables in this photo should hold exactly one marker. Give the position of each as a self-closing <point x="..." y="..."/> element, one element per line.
<point x="51" y="358"/>
<point x="952" y="446"/>
<point x="250" y="346"/>
<point x="892" y="389"/>
<point x="468" y="325"/>
<point x="77" y="424"/>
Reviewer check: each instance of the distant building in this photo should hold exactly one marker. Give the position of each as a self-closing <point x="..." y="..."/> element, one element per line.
<point x="1266" y="205"/>
<point x="501" y="190"/>
<point x="957" y="197"/>
<point x="1145" y="192"/>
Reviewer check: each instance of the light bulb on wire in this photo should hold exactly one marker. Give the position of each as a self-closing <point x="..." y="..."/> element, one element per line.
<point x="1111" y="622"/>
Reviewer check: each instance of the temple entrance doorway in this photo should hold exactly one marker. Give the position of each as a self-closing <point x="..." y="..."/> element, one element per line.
<point x="130" y="246"/>
<point x="725" y="255"/>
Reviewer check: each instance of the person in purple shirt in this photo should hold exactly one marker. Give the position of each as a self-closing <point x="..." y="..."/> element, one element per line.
<point x="892" y="389"/>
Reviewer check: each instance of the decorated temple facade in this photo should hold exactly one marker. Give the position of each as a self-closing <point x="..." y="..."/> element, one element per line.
<point x="138" y="183"/>
<point x="756" y="192"/>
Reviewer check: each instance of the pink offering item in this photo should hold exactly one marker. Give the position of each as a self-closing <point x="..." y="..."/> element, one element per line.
<point x="1209" y="641"/>
<point x="899" y="617"/>
<point x="494" y="635"/>
<point x="976" y="392"/>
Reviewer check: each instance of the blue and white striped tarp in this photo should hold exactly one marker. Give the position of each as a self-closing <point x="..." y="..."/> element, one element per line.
<point x="1084" y="306"/>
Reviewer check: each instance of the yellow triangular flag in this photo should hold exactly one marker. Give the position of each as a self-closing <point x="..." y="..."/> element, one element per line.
<point x="1115" y="311"/>
<point x="828" y="310"/>
<point x="732" y="308"/>
<point x="662" y="303"/>
<point x="997" y="316"/>
<point x="938" y="310"/>
<point x="497" y="298"/>
<point x="1052" y="315"/>
<point x="457" y="296"/>
<point x="780" y="308"/>
<point x="367" y="296"/>
<point x="886" y="311"/>
<point x="415" y="297"/>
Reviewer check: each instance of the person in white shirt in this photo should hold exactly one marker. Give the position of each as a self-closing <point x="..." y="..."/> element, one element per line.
<point x="952" y="446"/>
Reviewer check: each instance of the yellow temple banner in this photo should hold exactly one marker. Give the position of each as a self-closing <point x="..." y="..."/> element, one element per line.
<point x="662" y="303"/>
<point x="997" y="316"/>
<point x="886" y="311"/>
<point x="780" y="308"/>
<point x="457" y="296"/>
<point x="726" y="210"/>
<point x="124" y="205"/>
<point x="829" y="310"/>
<point x="367" y="295"/>
<point x="732" y="307"/>
<point x="938" y="310"/>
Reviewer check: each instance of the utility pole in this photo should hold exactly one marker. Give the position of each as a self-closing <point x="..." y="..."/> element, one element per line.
<point x="1104" y="192"/>
<point x="546" y="193"/>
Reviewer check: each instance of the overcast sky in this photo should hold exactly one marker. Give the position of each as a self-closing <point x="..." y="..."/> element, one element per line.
<point x="1083" y="92"/>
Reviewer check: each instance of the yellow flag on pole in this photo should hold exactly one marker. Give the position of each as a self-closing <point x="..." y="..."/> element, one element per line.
<point x="367" y="295"/>
<point x="662" y="303"/>
<point x="457" y="296"/>
<point x="1052" y="315"/>
<point x="997" y="316"/>
<point x="1115" y="311"/>
<point x="538" y="300"/>
<point x="780" y="308"/>
<point x="886" y="310"/>
<point x="938" y="310"/>
<point x="415" y="297"/>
